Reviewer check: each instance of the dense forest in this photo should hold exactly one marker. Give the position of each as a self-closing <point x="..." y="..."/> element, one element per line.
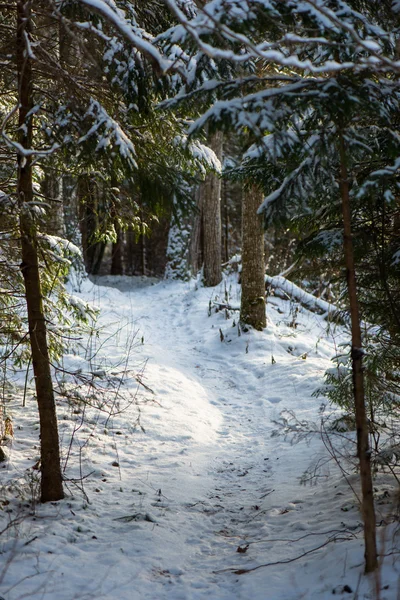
<point x="219" y="143"/>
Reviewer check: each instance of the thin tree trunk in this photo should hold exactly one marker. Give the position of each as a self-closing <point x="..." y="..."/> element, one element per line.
<point x="117" y="246"/>
<point x="225" y="209"/>
<point x="129" y="249"/>
<point x="89" y="201"/>
<point x="195" y="249"/>
<point x="252" y="307"/>
<point x="52" y="190"/>
<point x="143" y="249"/>
<point x="70" y="202"/>
<point x="210" y="190"/>
<point x="116" y="258"/>
<point x="363" y="449"/>
<point x="51" y="480"/>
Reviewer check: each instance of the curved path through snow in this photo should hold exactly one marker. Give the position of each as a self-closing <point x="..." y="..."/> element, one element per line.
<point x="205" y="488"/>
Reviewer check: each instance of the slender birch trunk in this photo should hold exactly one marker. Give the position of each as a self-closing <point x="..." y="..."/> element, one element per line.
<point x="51" y="480"/>
<point x="363" y="449"/>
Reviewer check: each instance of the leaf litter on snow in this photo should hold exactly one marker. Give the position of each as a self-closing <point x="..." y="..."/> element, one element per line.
<point x="184" y="460"/>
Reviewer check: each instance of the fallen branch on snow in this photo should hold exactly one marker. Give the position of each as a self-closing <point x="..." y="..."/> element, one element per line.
<point x="277" y="562"/>
<point x="225" y="306"/>
<point x="329" y="311"/>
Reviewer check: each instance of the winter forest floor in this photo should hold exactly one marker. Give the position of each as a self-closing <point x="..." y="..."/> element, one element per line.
<point x="186" y="482"/>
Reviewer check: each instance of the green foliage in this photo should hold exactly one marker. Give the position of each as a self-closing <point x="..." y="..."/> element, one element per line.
<point x="381" y="368"/>
<point x="65" y="314"/>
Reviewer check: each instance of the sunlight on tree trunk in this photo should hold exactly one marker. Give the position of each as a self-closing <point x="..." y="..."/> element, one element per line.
<point x="252" y="308"/>
<point x="363" y="449"/>
<point x="51" y="482"/>
<point x="210" y="191"/>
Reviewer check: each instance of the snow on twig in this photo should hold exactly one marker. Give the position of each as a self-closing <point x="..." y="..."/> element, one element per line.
<point x="109" y="10"/>
<point x="271" y="51"/>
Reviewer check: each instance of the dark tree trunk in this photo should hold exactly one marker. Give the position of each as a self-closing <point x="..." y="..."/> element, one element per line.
<point x="195" y="246"/>
<point x="225" y="220"/>
<point x="252" y="307"/>
<point x="51" y="480"/>
<point x="116" y="257"/>
<point x="70" y="202"/>
<point x="210" y="191"/>
<point x="195" y="249"/>
<point x="52" y="191"/>
<point x="89" y="196"/>
<point x="363" y="449"/>
<point x="129" y="252"/>
<point x="143" y="252"/>
<point x="117" y="246"/>
<point x="147" y="254"/>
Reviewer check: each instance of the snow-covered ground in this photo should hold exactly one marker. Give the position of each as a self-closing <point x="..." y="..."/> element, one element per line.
<point x="190" y="490"/>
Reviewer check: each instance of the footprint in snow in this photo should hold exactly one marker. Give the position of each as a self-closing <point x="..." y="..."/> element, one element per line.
<point x="274" y="400"/>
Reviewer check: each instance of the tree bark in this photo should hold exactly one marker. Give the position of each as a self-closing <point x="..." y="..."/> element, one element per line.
<point x="117" y="246"/>
<point x="196" y="245"/>
<point x="143" y="248"/>
<point x="70" y="202"/>
<point x="89" y="206"/>
<point x="51" y="478"/>
<point x="225" y="219"/>
<point x="210" y="191"/>
<point x="116" y="257"/>
<point x="363" y="449"/>
<point x="52" y="190"/>
<point x="129" y="252"/>
<point x="252" y="307"/>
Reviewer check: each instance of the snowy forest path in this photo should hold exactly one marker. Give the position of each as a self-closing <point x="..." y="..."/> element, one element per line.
<point x="203" y="458"/>
<point x="221" y="485"/>
<point x="187" y="481"/>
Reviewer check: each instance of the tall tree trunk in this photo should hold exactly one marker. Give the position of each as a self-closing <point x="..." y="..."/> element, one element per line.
<point x="211" y="211"/>
<point x="252" y="307"/>
<point x="52" y="190"/>
<point x="117" y="246"/>
<point x="116" y="256"/>
<point x="205" y="242"/>
<point x="363" y="449"/>
<point x="51" y="480"/>
<point x="89" y="205"/>
<point x="70" y="202"/>
<point x="196" y="245"/>
<point x="129" y="251"/>
<point x="225" y="219"/>
<point x="210" y="191"/>
<point x="143" y="248"/>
